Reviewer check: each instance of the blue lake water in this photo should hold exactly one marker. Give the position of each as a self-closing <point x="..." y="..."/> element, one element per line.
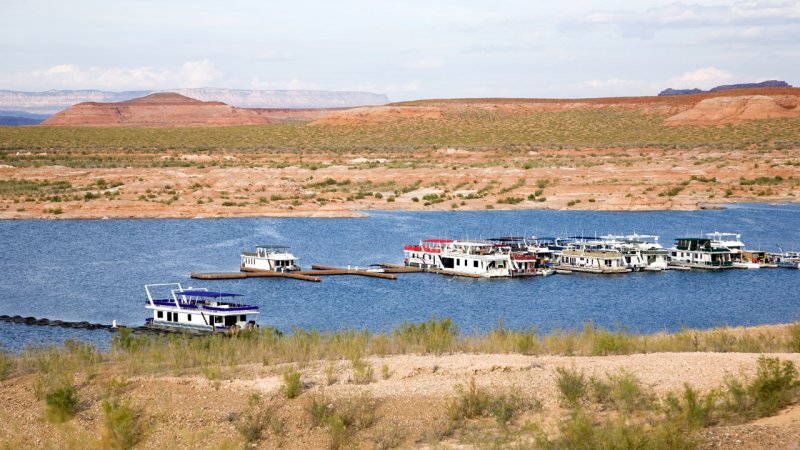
<point x="94" y="270"/>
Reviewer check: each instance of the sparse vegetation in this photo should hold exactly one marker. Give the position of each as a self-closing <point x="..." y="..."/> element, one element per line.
<point x="292" y="386"/>
<point x="601" y="408"/>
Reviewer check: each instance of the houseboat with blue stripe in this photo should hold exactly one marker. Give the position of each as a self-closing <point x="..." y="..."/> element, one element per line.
<point x="196" y="309"/>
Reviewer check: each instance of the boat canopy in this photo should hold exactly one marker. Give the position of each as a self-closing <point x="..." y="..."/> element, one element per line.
<point x="208" y="294"/>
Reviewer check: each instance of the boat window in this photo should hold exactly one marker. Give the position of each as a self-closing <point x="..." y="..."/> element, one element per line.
<point x="188" y="317"/>
<point x="242" y="318"/>
<point x="476" y="264"/>
<point x="160" y="314"/>
<point x="169" y="316"/>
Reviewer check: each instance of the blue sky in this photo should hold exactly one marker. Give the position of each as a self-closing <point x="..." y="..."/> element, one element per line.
<point x="405" y="49"/>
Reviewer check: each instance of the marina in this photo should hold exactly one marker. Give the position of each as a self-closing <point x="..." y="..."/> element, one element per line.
<point x="72" y="282"/>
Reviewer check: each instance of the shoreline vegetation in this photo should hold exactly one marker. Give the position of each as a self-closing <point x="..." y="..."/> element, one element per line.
<point x="418" y="385"/>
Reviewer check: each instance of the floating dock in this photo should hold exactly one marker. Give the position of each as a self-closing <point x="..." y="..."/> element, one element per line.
<point x="312" y="275"/>
<point x="328" y="270"/>
<point x="253" y="273"/>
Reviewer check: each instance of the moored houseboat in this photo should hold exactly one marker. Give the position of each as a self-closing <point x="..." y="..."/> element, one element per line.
<point x="591" y="261"/>
<point x="733" y="242"/>
<point x="196" y="309"/>
<point x="699" y="253"/>
<point x="472" y="258"/>
<point x="272" y="258"/>
<point x="640" y="251"/>
<point x="426" y="254"/>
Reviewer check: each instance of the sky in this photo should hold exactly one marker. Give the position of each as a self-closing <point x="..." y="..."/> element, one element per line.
<point x="405" y="49"/>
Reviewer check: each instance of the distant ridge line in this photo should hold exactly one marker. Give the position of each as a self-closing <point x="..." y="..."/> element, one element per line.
<point x="725" y="87"/>
<point x="53" y="101"/>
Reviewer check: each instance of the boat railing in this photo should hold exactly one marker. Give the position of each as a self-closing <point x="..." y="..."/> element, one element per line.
<point x="231" y="308"/>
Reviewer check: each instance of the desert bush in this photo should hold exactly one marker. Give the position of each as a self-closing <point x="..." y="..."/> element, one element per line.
<point x="120" y="426"/>
<point x="363" y="373"/>
<point x="794" y="337"/>
<point x="6" y="363"/>
<point x="581" y="432"/>
<point x="572" y="385"/>
<point x="61" y="403"/>
<point x="388" y="436"/>
<point x="470" y="402"/>
<point x="343" y="418"/>
<point x="691" y="410"/>
<point x="776" y="384"/>
<point x="433" y="336"/>
<point x="292" y="386"/>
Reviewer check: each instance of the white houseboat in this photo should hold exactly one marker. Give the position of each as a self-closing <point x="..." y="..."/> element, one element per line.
<point x="196" y="309"/>
<point x="426" y="255"/>
<point x="699" y="253"/>
<point x="272" y="258"/>
<point x="733" y="242"/>
<point x="478" y="259"/>
<point x="591" y="261"/>
<point x="641" y="251"/>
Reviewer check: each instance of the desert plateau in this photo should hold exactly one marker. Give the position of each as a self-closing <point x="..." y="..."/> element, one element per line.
<point x="156" y="157"/>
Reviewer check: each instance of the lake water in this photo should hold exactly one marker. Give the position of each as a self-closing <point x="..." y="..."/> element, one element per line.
<point x="94" y="270"/>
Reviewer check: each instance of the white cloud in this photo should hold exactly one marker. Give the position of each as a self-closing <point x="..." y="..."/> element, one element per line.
<point x="71" y="76"/>
<point x="691" y="15"/>
<point x="704" y="78"/>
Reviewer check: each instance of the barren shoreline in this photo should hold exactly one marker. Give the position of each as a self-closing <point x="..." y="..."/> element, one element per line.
<point x="445" y="180"/>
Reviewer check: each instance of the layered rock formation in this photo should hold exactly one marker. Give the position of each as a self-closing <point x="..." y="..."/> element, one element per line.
<point x="158" y="110"/>
<point x="50" y="102"/>
<point x="726" y="87"/>
<point x="724" y="110"/>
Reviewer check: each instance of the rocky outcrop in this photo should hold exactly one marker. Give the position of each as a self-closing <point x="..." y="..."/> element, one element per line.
<point x="724" y="110"/>
<point x="50" y="102"/>
<point x="158" y="110"/>
<point x="727" y="87"/>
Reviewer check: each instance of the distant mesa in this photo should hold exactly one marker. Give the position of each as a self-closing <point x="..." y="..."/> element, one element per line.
<point x="764" y="84"/>
<point x="157" y="110"/>
<point x="53" y="101"/>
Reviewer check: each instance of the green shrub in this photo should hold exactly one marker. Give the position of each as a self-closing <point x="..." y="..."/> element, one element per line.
<point x="470" y="402"/>
<point x="433" y="336"/>
<point x="61" y="403"/>
<point x="775" y="386"/>
<point x="120" y="427"/>
<point x="571" y="385"/>
<point x="318" y="408"/>
<point x="794" y="337"/>
<point x="343" y="417"/>
<point x="628" y="394"/>
<point x="691" y="410"/>
<point x="363" y="373"/>
<point x="6" y="362"/>
<point x="292" y="386"/>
